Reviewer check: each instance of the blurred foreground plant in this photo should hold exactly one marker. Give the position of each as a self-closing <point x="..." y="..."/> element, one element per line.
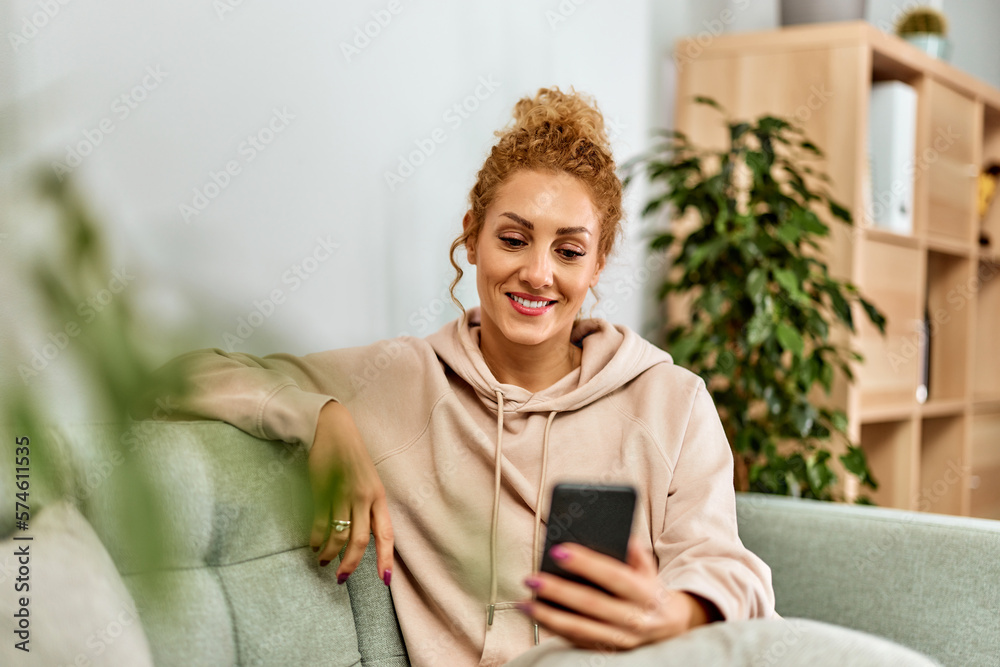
<point x="111" y="354"/>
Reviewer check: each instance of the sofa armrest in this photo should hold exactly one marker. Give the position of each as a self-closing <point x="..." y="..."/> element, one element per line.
<point x="926" y="581"/>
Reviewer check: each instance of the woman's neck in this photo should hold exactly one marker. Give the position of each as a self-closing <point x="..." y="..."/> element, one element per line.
<point x="532" y="367"/>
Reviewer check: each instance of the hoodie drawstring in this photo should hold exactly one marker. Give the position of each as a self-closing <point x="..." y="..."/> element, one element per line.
<point x="496" y="505"/>
<point x="538" y="500"/>
<point x="496" y="509"/>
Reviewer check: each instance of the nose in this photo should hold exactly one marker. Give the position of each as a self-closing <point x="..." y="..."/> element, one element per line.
<point x="537" y="269"/>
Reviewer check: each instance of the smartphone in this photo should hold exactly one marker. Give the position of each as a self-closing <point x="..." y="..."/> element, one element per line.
<point x="597" y="516"/>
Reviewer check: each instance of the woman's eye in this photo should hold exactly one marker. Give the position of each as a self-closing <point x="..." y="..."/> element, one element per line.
<point x="570" y="254"/>
<point x="512" y="242"/>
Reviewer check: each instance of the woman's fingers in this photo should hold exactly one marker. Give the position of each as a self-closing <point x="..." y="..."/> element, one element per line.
<point x="357" y="540"/>
<point x="640" y="557"/>
<point x="384" y="542"/>
<point x="338" y="509"/>
<point x="582" y="631"/>
<point x="346" y="488"/>
<point x="585" y="600"/>
<point x="620" y="579"/>
<point x="319" y="482"/>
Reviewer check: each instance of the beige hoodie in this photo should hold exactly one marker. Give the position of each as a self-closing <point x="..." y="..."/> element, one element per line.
<point x="468" y="483"/>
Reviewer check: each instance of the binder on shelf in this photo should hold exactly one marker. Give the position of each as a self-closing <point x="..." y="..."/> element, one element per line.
<point x="923" y="389"/>
<point x="892" y="137"/>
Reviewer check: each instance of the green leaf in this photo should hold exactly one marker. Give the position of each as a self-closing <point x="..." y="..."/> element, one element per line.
<point x="839" y="419"/>
<point x="662" y="241"/>
<point x="770" y="125"/>
<point x="809" y="222"/>
<point x="841" y="307"/>
<point x="790" y="282"/>
<point x="856" y="463"/>
<point x="756" y="282"/>
<point x="737" y="130"/>
<point x="839" y="211"/>
<point x="789" y="338"/>
<point x="759" y="328"/>
<point x="759" y="164"/>
<point x="708" y="101"/>
<point x="789" y="233"/>
<point x="874" y="314"/>
<point x="812" y="148"/>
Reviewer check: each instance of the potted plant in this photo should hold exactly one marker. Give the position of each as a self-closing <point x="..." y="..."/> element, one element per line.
<point x="927" y="29"/>
<point x="794" y="12"/>
<point x="763" y="305"/>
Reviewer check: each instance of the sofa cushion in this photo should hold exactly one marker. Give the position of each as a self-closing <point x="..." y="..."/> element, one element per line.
<point x="235" y="581"/>
<point x="929" y="582"/>
<point x="79" y="610"/>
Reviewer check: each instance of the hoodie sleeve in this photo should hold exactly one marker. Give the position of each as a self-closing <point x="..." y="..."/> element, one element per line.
<point x="277" y="397"/>
<point x="699" y="550"/>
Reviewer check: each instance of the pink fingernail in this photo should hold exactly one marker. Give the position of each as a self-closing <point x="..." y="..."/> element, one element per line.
<point x="324" y="563"/>
<point x="342" y="577"/>
<point x="533" y="583"/>
<point x="387" y="576"/>
<point x="559" y="552"/>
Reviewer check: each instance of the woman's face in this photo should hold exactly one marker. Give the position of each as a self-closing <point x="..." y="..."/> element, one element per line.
<point x="536" y="256"/>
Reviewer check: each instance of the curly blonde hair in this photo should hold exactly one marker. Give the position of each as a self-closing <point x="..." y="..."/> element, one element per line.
<point x="551" y="132"/>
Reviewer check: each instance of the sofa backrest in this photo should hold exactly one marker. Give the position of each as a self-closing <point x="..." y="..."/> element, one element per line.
<point x="926" y="581"/>
<point x="238" y="583"/>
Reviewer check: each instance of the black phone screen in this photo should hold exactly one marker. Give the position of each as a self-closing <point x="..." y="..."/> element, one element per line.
<point x="597" y="516"/>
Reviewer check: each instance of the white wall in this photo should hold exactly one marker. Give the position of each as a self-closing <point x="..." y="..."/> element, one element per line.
<point x="344" y="121"/>
<point x="221" y="76"/>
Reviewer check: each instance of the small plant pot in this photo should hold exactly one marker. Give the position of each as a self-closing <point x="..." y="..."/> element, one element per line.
<point x="794" y="12"/>
<point x="931" y="44"/>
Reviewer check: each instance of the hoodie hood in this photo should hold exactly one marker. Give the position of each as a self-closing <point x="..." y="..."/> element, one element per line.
<point x="612" y="356"/>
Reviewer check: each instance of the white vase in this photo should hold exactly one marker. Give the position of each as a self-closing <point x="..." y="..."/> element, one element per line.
<point x="794" y="12"/>
<point x="931" y="44"/>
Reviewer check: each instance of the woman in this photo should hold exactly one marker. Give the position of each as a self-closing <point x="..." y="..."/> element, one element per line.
<point x="450" y="448"/>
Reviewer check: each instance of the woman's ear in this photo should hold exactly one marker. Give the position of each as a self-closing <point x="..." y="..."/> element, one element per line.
<point x="470" y="242"/>
<point x="601" y="261"/>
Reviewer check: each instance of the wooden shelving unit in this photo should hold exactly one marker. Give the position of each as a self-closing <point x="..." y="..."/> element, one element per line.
<point x="942" y="455"/>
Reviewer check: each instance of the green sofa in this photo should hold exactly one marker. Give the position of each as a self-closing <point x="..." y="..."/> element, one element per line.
<point x="238" y="584"/>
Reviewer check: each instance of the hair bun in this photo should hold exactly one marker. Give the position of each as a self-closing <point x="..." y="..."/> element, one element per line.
<point x="572" y="114"/>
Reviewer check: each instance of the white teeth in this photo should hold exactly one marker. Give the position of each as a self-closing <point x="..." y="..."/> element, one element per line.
<point x="529" y="304"/>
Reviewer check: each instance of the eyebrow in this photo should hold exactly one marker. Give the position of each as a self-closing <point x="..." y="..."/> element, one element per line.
<point x="530" y="225"/>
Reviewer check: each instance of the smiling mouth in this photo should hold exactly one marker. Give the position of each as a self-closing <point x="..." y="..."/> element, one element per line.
<point x="529" y="306"/>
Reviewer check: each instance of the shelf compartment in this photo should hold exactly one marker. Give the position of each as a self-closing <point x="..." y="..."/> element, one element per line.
<point x="986" y="359"/>
<point x="883" y="413"/>
<point x="943" y="469"/>
<point x="890" y="448"/>
<point x="985" y="494"/>
<point x="949" y="247"/>
<point x="891" y="238"/>
<point x="948" y="163"/>
<point x="943" y="408"/>
<point x="949" y="306"/>
<point x="990" y="224"/>
<point x="890" y="372"/>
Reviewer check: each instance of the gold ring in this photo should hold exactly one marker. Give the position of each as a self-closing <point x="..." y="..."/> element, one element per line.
<point x="341" y="526"/>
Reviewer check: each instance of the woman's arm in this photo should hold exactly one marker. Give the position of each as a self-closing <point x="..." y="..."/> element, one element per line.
<point x="295" y="399"/>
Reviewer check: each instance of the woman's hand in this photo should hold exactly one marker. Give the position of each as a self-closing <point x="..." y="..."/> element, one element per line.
<point x="639" y="610"/>
<point x="346" y="487"/>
